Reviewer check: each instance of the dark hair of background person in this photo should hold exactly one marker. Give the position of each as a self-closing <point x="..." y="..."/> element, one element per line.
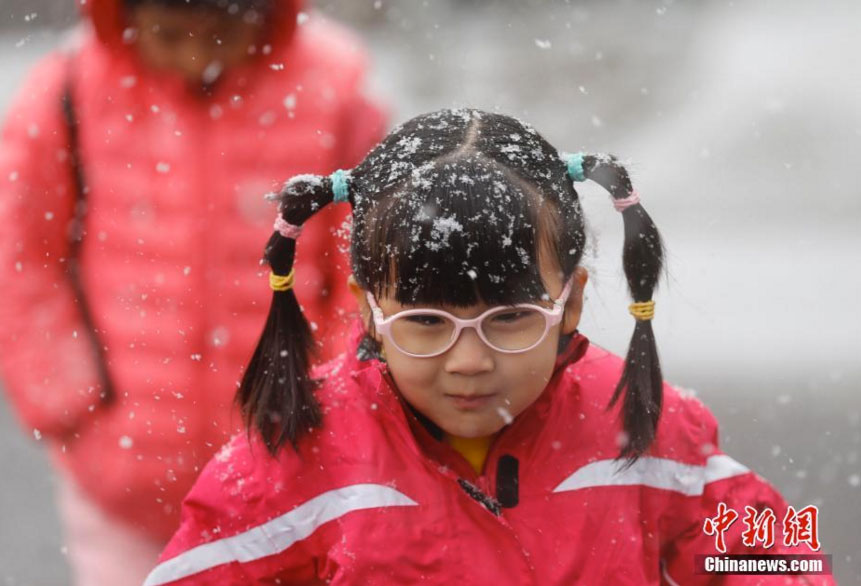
<point x="230" y="6"/>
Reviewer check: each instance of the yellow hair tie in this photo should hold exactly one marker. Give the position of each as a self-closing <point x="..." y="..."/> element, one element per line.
<point x="642" y="310"/>
<point x="281" y="283"/>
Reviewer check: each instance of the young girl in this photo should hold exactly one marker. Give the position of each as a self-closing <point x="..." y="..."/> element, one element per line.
<point x="473" y="436"/>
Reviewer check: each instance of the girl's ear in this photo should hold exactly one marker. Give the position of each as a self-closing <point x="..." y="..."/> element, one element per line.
<point x="362" y="302"/>
<point x="574" y="306"/>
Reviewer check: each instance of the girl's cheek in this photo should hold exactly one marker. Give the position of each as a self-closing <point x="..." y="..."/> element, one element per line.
<point x="412" y="371"/>
<point x="539" y="363"/>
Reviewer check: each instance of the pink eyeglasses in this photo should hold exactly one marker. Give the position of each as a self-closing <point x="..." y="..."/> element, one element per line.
<point x="424" y="333"/>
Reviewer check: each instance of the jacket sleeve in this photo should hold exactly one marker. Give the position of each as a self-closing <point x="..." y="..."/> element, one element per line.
<point x="726" y="482"/>
<point x="49" y="370"/>
<point x="229" y="533"/>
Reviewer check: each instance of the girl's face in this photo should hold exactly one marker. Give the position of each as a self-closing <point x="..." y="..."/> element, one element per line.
<point x="472" y="390"/>
<point x="196" y="43"/>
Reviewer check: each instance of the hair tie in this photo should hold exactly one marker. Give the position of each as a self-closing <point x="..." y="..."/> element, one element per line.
<point x="286" y="229"/>
<point x="339" y="186"/>
<point x="642" y="310"/>
<point x="575" y="167"/>
<point x="280" y="282"/>
<point x="623" y="204"/>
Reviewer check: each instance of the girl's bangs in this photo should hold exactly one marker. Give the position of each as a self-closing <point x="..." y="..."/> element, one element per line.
<point x="458" y="233"/>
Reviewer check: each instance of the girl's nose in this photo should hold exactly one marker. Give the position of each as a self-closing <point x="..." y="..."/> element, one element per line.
<point x="469" y="355"/>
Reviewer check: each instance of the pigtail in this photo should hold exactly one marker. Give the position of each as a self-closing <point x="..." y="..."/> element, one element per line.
<point x="642" y="259"/>
<point x="276" y="394"/>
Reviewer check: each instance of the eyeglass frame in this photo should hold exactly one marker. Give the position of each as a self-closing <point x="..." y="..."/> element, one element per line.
<point x="552" y="317"/>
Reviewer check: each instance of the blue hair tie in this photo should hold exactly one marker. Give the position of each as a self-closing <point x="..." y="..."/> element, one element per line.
<point x="339" y="186"/>
<point x="575" y="167"/>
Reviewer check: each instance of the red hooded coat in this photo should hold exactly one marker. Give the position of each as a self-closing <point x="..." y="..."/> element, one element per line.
<point x="372" y="498"/>
<point x="175" y="228"/>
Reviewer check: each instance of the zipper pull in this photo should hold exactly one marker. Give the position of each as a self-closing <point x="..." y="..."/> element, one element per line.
<point x="488" y="502"/>
<point x="507" y="481"/>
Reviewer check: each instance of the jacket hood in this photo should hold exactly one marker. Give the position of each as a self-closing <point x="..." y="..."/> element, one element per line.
<point x="108" y="20"/>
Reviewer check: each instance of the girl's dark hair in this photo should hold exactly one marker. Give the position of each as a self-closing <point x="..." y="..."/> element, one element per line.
<point x="229" y="6"/>
<point x="453" y="207"/>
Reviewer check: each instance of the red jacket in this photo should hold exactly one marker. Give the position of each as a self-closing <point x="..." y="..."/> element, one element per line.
<point x="175" y="231"/>
<point x="372" y="498"/>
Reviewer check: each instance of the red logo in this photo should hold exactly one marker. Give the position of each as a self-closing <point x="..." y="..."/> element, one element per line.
<point x="759" y="527"/>
<point x="802" y="527"/>
<point x="798" y="527"/>
<point x="718" y="525"/>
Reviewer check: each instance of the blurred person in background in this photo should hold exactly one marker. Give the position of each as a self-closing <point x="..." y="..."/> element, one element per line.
<point x="133" y="165"/>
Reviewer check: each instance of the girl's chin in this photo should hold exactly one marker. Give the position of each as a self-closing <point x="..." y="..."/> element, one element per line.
<point x="473" y="429"/>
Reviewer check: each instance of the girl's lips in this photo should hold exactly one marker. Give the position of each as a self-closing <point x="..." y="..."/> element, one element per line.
<point x="471" y="402"/>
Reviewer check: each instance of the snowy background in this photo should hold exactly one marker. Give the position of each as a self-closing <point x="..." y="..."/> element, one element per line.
<point x="742" y="126"/>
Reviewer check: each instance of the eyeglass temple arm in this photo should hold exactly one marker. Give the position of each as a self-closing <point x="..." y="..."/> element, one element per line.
<point x="375" y="309"/>
<point x="566" y="291"/>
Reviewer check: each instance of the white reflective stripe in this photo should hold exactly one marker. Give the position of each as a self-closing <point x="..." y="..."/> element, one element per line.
<point x="655" y="473"/>
<point x="720" y="467"/>
<point x="280" y="533"/>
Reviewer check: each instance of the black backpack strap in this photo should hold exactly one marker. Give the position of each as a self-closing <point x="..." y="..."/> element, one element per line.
<point x="76" y="237"/>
